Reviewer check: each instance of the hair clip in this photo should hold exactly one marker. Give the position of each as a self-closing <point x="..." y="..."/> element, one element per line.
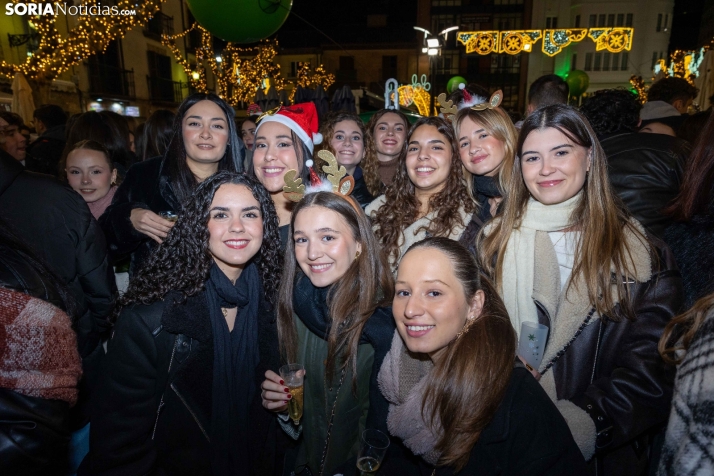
<point x="340" y="182"/>
<point x="492" y="103"/>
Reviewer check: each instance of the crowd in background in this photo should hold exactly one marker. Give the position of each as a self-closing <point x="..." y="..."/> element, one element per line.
<point x="155" y="276"/>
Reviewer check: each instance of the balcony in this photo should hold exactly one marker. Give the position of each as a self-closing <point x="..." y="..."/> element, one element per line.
<point x="166" y="90"/>
<point x="111" y="81"/>
<point x="160" y="24"/>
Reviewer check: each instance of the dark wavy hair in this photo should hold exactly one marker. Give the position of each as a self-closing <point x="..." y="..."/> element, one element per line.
<point x="401" y="208"/>
<point x="671" y="89"/>
<point x="369" y="163"/>
<point x="468" y="383"/>
<point x="367" y="284"/>
<point x="612" y="111"/>
<point x="102" y="128"/>
<point x="182" y="180"/>
<point x="183" y="261"/>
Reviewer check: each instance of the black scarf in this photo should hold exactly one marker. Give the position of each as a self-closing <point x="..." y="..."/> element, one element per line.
<point x="235" y="358"/>
<point x="486" y="186"/>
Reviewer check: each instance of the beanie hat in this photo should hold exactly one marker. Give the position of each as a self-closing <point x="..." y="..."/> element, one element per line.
<point x="300" y="118"/>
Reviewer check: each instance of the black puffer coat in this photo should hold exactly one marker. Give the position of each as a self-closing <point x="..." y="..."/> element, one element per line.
<point x="646" y="171"/>
<point x="152" y="414"/>
<point x="55" y="222"/>
<point x="146" y="186"/>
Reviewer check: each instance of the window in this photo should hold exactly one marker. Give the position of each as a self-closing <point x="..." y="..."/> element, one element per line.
<point x="611" y="20"/>
<point x="509" y="21"/>
<point x="442" y="22"/>
<point x="574" y="63"/>
<point x="666" y="20"/>
<point x="620" y="19"/>
<point x="389" y="67"/>
<point x="655" y="57"/>
<point x="628" y="22"/>
<point x="508" y="2"/>
<point x="448" y="62"/>
<point x="293" y="69"/>
<point x="445" y="3"/>
<point x="623" y="61"/>
<point x="598" y="62"/>
<point x="601" y="20"/>
<point x="659" y="22"/>
<point x="588" y="61"/>
<point x="606" y="62"/>
<point x="592" y="22"/>
<point x="347" y="63"/>
<point x="551" y="23"/>
<point x="577" y="21"/>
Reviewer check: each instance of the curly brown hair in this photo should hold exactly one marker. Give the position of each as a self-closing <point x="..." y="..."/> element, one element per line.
<point x="401" y="208"/>
<point x="369" y="163"/>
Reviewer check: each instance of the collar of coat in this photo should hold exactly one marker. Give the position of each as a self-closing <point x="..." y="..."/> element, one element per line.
<point x="417" y="231"/>
<point x="182" y="317"/>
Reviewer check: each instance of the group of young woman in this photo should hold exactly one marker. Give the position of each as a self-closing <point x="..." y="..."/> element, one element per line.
<point x="247" y="280"/>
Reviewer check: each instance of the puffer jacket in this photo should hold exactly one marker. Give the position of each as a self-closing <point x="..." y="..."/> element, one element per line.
<point x="646" y="172"/>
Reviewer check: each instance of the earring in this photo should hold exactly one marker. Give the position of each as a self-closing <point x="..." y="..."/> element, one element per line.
<point x="357" y="255"/>
<point x="470" y="320"/>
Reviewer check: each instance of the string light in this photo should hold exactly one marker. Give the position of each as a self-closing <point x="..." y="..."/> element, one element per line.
<point x="639" y="86"/>
<point x="240" y="72"/>
<point x="555" y="40"/>
<point x="613" y="40"/>
<point x="92" y="34"/>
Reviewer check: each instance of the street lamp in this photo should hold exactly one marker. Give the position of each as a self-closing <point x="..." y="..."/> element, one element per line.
<point x="431" y="45"/>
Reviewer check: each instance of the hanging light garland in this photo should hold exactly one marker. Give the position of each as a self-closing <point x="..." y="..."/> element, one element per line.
<point x="92" y="34"/>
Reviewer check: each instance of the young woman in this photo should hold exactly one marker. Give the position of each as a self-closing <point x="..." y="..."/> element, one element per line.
<point x="284" y="141"/>
<point x="565" y="253"/>
<point x="194" y="335"/>
<point x="487" y="143"/>
<point x="428" y="196"/>
<point x="205" y="141"/>
<point x="456" y="400"/>
<point x="688" y="443"/>
<point x="345" y="135"/>
<point x="247" y="132"/>
<point x="90" y="171"/>
<point x="388" y="128"/>
<point x="154" y="139"/>
<point x="331" y="320"/>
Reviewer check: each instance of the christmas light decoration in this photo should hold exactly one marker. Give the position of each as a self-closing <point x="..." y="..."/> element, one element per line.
<point x="613" y="40"/>
<point x="638" y="84"/>
<point x="307" y="78"/>
<point x="91" y="34"/>
<point x="555" y="40"/>
<point x="416" y="93"/>
<point x="481" y="42"/>
<point x="515" y="41"/>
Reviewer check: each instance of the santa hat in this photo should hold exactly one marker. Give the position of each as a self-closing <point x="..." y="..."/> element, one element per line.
<point x="300" y="118"/>
<point x="469" y="100"/>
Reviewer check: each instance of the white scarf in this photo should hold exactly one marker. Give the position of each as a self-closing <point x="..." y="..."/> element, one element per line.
<point x="519" y="258"/>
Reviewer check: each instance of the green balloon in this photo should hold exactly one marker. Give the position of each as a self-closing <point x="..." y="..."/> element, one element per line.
<point x="578" y="82"/>
<point x="241" y="21"/>
<point x="454" y="82"/>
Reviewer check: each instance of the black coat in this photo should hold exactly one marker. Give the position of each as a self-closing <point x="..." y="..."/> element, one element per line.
<point x="152" y="414"/>
<point x="55" y="222"/>
<point x="527" y="437"/>
<point x="361" y="194"/>
<point x="613" y="372"/>
<point x="35" y="432"/>
<point x="646" y="171"/>
<point x="692" y="243"/>
<point x="146" y="186"/>
<point x="44" y="154"/>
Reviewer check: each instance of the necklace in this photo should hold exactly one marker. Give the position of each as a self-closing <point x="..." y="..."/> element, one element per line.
<point x="225" y="312"/>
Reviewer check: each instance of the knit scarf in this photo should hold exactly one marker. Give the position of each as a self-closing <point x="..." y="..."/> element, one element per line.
<point x="235" y="357"/>
<point x="519" y="258"/>
<point x="387" y="170"/>
<point x="38" y="348"/>
<point x="97" y="207"/>
<point x="403" y="380"/>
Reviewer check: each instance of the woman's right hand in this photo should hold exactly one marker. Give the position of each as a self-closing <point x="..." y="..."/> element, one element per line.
<point x="275" y="394"/>
<point x="150" y="224"/>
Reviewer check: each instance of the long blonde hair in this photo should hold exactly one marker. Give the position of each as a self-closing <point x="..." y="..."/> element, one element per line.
<point x="499" y="125"/>
<point x="600" y="216"/>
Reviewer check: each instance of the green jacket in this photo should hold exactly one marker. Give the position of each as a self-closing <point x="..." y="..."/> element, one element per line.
<point x="350" y="409"/>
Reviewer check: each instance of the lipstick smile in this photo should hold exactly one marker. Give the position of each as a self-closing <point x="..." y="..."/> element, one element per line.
<point x="236" y="244"/>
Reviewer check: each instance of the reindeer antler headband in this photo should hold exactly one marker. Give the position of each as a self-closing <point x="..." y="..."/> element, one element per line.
<point x="342" y="183"/>
<point x="449" y="110"/>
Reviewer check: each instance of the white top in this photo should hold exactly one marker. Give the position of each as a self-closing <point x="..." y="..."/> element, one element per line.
<point x="564" y="244"/>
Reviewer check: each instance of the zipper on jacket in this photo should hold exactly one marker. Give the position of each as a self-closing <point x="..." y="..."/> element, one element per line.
<point x="191" y="412"/>
<point x="161" y="402"/>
